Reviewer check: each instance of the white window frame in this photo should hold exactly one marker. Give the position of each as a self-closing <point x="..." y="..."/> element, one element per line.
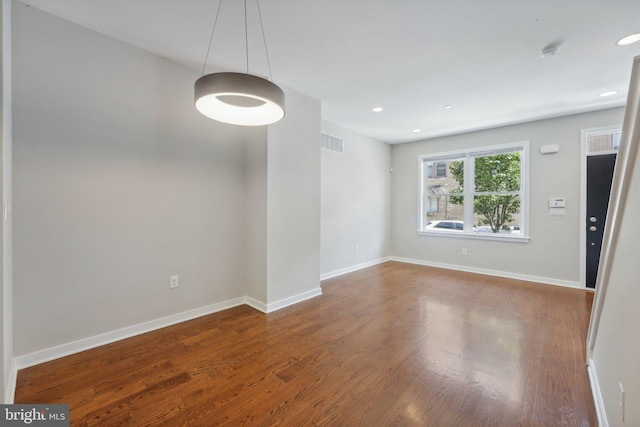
<point x="469" y="191"/>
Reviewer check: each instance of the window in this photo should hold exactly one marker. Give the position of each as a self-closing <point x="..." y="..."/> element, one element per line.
<point x="438" y="192"/>
<point x="604" y="142"/>
<point x="483" y="193"/>
<point x="433" y="204"/>
<point x="440" y="169"/>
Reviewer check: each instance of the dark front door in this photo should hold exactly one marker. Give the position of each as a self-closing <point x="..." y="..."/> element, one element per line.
<point x="599" y="177"/>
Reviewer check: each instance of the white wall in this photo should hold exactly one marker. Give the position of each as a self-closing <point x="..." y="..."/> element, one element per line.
<point x="552" y="254"/>
<point x="355" y="202"/>
<point x="118" y="184"/>
<point x="283" y="194"/>
<point x="293" y="203"/>
<point x="617" y="348"/>
<point x="6" y="247"/>
<point x="613" y="344"/>
<point x="256" y="219"/>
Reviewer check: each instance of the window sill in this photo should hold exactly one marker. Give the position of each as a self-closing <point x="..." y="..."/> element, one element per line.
<point x="474" y="236"/>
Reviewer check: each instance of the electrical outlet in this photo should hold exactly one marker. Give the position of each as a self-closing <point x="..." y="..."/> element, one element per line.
<point x="357" y="247"/>
<point x="621" y="402"/>
<point x="464" y="251"/>
<point x="173" y="282"/>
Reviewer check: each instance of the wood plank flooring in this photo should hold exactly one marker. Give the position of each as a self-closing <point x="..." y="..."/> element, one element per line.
<point x="391" y="345"/>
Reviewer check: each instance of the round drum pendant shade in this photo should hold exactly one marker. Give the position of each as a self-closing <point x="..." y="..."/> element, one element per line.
<point x="239" y="99"/>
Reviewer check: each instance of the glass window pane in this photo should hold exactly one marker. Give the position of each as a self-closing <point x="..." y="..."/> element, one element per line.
<point x="616" y="140"/>
<point x="603" y="142"/>
<point x="443" y="201"/>
<point x="450" y="216"/>
<point x="495" y="184"/>
<point x="453" y="170"/>
<point x="497" y="173"/>
<point x="497" y="214"/>
<point x="437" y="169"/>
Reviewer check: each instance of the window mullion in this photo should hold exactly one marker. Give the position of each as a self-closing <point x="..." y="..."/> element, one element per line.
<point x="469" y="187"/>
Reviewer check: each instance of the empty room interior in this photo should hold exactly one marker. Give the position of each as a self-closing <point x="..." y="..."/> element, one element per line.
<point x="332" y="213"/>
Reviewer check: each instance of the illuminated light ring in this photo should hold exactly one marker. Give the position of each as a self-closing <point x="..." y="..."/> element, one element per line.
<point x="239" y="99"/>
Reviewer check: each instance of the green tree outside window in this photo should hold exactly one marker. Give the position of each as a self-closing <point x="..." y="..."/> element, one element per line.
<point x="496" y="178"/>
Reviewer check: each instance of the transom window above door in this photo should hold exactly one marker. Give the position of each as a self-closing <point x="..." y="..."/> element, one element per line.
<point x="603" y="142"/>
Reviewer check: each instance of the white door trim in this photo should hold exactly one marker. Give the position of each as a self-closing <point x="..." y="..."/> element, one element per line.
<point x="583" y="197"/>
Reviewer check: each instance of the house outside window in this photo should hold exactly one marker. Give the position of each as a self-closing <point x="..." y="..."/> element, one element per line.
<point x="481" y="191"/>
<point x="433" y="205"/>
<point x="439" y="167"/>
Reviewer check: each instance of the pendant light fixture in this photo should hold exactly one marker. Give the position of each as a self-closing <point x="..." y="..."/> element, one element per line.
<point x="239" y="98"/>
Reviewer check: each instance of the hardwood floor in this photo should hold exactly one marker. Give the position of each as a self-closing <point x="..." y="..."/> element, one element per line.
<point x="395" y="344"/>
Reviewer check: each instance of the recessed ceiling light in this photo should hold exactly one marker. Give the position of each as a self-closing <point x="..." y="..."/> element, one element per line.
<point x="415" y="130"/>
<point x="608" y="93"/>
<point x="448" y="107"/>
<point x="377" y="109"/>
<point x="630" y="39"/>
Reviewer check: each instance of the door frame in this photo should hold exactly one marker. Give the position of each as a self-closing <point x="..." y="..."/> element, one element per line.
<point x="583" y="197"/>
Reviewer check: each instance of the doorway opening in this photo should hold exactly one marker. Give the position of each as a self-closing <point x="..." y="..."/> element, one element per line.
<point x="599" y="148"/>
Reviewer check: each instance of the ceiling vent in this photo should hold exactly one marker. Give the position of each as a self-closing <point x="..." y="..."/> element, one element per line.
<point x="332" y="143"/>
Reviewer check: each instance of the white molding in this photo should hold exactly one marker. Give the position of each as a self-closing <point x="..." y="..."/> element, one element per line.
<point x="597" y="395"/>
<point x="286" y="302"/>
<point x="353" y="268"/>
<point x="254" y="303"/>
<point x="48" y="354"/>
<point x="52" y="353"/>
<point x="83" y="344"/>
<point x="507" y="274"/>
<point x="498" y="237"/>
<point x="6" y="200"/>
<point x="625" y="163"/>
<point x="10" y="391"/>
<point x="583" y="196"/>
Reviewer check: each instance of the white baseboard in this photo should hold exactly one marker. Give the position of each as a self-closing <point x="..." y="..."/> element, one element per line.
<point x="254" y="303"/>
<point x="271" y="307"/>
<point x="597" y="395"/>
<point x="48" y="354"/>
<point x="353" y="268"/>
<point x="488" y="272"/>
<point x="41" y="356"/>
<point x="10" y="392"/>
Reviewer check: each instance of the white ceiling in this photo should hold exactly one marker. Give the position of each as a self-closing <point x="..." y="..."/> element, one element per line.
<point x="411" y="57"/>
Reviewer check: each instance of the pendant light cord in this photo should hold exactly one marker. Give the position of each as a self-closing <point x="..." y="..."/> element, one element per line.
<point x="246" y="35"/>
<point x="264" y="39"/>
<point x="215" y="24"/>
<point x="246" y="38"/>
